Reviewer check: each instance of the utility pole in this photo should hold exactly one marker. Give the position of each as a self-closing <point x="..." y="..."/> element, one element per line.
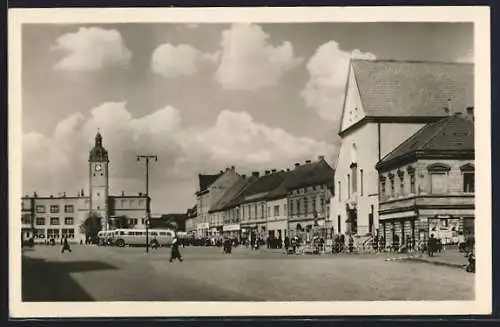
<point x="147" y="158"/>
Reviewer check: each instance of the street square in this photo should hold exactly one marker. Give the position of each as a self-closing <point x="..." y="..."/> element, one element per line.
<point x="91" y="273"/>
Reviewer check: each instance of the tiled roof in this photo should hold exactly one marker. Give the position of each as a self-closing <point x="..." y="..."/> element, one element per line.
<point x="391" y="88"/>
<point x="318" y="172"/>
<point x="231" y="193"/>
<point x="454" y="133"/>
<point x="207" y="180"/>
<point x="259" y="188"/>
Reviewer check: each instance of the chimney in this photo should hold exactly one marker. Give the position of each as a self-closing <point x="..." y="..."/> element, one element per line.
<point x="321" y="158"/>
<point x="123" y="193"/>
<point x="274" y="170"/>
<point x="308" y="161"/>
<point x="35" y="195"/>
<point x="140" y="193"/>
<point x="267" y="172"/>
<point x="244" y="176"/>
<point x="297" y="164"/>
<point x="52" y="195"/>
<point x="83" y="194"/>
<point x="64" y="194"/>
<point x="470" y="113"/>
<point x="255" y="174"/>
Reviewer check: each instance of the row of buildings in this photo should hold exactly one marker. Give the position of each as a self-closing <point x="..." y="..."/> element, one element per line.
<point x="275" y="204"/>
<point x="405" y="166"/>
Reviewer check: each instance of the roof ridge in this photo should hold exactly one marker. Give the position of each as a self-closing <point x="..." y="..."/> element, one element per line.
<point x="444" y="122"/>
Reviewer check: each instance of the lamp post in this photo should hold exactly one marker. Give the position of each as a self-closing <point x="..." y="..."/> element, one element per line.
<point x="147" y="158"/>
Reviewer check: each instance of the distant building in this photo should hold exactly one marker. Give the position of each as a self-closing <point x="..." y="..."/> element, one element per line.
<point x="62" y="215"/>
<point x="190" y="220"/>
<point x="211" y="189"/>
<point x="427" y="183"/>
<point x="385" y="103"/>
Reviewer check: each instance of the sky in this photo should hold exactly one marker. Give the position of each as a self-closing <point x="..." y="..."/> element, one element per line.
<point x="202" y="97"/>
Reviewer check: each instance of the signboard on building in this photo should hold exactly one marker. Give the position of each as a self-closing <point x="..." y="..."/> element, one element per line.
<point x="203" y="226"/>
<point x="229" y="228"/>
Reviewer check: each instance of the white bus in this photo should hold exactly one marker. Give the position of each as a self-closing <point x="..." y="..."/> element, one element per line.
<point x="106" y="237"/>
<point x="135" y="237"/>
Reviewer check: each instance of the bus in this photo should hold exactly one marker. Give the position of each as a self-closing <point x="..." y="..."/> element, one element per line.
<point x="137" y="237"/>
<point x="106" y="237"/>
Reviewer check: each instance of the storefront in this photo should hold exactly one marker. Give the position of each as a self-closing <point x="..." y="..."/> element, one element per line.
<point x="277" y="229"/>
<point x="307" y="230"/>
<point x="232" y="231"/>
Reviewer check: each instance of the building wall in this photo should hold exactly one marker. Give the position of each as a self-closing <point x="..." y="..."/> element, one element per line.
<point x="277" y="217"/>
<point x="442" y="213"/>
<point x="361" y="146"/>
<point x="54" y="223"/>
<point x="135" y="208"/>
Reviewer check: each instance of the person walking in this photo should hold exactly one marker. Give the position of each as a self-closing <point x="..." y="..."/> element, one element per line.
<point x="287" y="244"/>
<point x="175" y="253"/>
<point x="431" y="246"/>
<point x="65" y="244"/>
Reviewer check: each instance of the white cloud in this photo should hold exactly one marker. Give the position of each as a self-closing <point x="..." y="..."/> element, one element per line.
<point x="91" y="49"/>
<point x="467" y="58"/>
<point x="249" y="61"/>
<point x="173" y="61"/>
<point x="328" y="67"/>
<point x="58" y="162"/>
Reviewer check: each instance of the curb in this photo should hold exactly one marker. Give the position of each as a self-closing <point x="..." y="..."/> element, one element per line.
<point x="433" y="262"/>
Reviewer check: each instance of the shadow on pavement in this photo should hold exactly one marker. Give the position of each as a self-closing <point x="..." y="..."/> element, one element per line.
<point x="44" y="281"/>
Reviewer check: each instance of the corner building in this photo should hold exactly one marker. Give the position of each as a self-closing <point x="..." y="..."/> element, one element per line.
<point x="385" y="103"/>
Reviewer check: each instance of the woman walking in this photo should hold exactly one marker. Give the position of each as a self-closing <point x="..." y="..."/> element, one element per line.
<point x="175" y="254"/>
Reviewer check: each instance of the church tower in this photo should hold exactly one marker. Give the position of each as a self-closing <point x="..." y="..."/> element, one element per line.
<point x="99" y="180"/>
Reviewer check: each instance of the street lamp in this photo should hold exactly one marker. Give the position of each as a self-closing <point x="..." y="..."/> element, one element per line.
<point x="148" y="204"/>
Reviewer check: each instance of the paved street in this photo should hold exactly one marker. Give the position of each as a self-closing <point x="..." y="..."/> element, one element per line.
<point x="129" y="274"/>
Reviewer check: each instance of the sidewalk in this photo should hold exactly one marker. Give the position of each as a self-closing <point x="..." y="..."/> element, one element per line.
<point x="450" y="258"/>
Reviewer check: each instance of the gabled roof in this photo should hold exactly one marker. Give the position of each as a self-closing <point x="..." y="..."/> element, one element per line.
<point x="453" y="134"/>
<point x="259" y="188"/>
<point x="231" y="193"/>
<point x="391" y="88"/>
<point x="318" y="172"/>
<point x="207" y="180"/>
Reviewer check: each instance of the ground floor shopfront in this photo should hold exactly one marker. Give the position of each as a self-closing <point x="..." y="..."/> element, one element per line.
<point x="418" y="225"/>
<point x="232" y="231"/>
<point x="308" y="229"/>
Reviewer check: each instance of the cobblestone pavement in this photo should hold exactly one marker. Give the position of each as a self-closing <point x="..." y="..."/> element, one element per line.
<point x="92" y="273"/>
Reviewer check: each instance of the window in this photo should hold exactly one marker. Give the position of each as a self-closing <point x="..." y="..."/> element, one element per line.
<point x="269" y="211"/>
<point x="237" y="214"/>
<point x="123" y="203"/>
<point x="276" y="211"/>
<point x="321" y="203"/>
<point x="255" y="212"/>
<point x="361" y="181"/>
<point x="401" y="182"/>
<point x="52" y="233"/>
<point x="40" y="221"/>
<point x="298" y="206"/>
<point x="348" y="186"/>
<point x="70" y="233"/>
<point x="438" y="183"/>
<point x="382" y="186"/>
<point x="284" y="209"/>
<point x="262" y="211"/>
<point x="391" y="177"/>
<point x="306" y="205"/>
<point x="412" y="183"/>
<point x="68" y="221"/>
<point x="314" y="204"/>
<point x="40" y="208"/>
<point x="354" y="174"/>
<point x="339" y="229"/>
<point x="69" y="208"/>
<point x="143" y="221"/>
<point x="469" y="182"/>
<point x="339" y="191"/>
<point x="26" y="219"/>
<point x="54" y="220"/>
<point x="141" y="203"/>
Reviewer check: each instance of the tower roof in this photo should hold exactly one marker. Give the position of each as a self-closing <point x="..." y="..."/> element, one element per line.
<point x="98" y="152"/>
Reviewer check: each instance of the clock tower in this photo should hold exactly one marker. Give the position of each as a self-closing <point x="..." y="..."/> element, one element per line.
<point x="98" y="180"/>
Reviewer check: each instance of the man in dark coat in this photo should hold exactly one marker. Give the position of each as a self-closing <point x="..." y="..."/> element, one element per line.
<point x="65" y="246"/>
<point x="287" y="244"/>
<point x="175" y="254"/>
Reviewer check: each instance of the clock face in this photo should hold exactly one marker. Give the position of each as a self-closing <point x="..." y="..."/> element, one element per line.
<point x="98" y="167"/>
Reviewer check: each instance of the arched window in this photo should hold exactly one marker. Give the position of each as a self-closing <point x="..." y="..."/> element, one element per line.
<point x="468" y="177"/>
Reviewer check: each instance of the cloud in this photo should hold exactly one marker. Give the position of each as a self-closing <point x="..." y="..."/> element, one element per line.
<point x="467" y="58"/>
<point x="174" y="61"/>
<point x="328" y="67"/>
<point x="249" y="61"/>
<point x="58" y="162"/>
<point x="91" y="49"/>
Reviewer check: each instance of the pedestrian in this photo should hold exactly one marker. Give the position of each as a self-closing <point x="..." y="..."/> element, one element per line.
<point x="431" y="246"/>
<point x="65" y="246"/>
<point x="287" y="244"/>
<point x="175" y="254"/>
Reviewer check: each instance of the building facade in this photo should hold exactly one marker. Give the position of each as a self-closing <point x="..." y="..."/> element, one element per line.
<point x="59" y="216"/>
<point x="427" y="184"/>
<point x="211" y="190"/>
<point x="385" y="103"/>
